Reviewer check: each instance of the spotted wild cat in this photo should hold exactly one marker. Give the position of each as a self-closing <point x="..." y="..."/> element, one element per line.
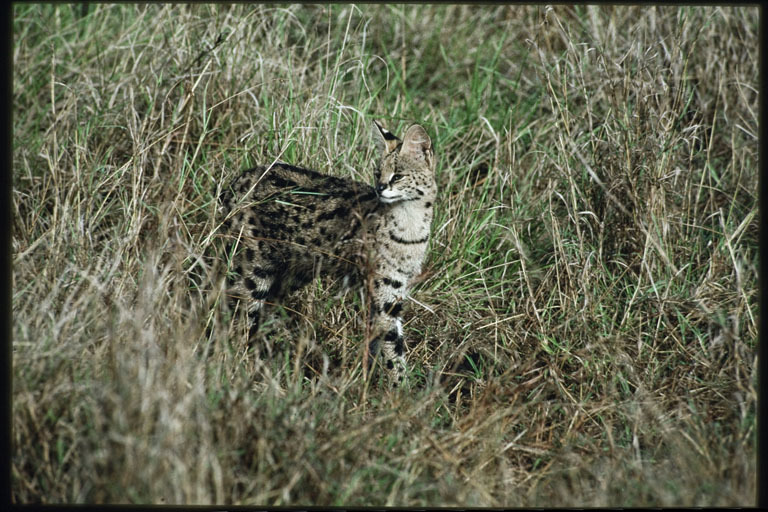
<point x="291" y="224"/>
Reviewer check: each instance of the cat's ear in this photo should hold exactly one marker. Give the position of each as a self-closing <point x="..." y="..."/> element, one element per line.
<point x="417" y="143"/>
<point x="385" y="141"/>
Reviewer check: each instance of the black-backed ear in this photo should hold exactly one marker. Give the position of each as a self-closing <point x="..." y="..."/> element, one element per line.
<point x="416" y="142"/>
<point x="385" y="141"/>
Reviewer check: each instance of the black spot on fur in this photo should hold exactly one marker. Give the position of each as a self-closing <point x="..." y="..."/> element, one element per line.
<point x="274" y="226"/>
<point x="392" y="282"/>
<point x="260" y="273"/>
<point x="299" y="170"/>
<point x="355" y="196"/>
<point x="281" y="182"/>
<point x="259" y="294"/>
<point x="399" y="240"/>
<point x="399" y="346"/>
<point x="341" y="211"/>
<point x="368" y="196"/>
<point x="392" y="309"/>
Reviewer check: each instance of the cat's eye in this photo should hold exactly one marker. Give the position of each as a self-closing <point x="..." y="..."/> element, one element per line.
<point x="395" y="177"/>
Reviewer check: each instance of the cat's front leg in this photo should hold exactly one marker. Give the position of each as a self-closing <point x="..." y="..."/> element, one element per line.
<point x="388" y="335"/>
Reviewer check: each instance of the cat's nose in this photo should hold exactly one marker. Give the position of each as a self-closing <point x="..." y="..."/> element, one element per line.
<point x="380" y="187"/>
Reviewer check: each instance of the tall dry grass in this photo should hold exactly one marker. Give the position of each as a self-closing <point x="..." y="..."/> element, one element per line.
<point x="587" y="332"/>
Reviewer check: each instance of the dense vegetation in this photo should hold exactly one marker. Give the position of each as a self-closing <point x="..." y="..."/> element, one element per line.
<point x="586" y="330"/>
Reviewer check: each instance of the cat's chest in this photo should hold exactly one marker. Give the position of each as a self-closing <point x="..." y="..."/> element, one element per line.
<point x="406" y="223"/>
<point x="401" y="237"/>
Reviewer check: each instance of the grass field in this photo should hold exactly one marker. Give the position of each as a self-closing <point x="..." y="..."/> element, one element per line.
<point x="586" y="334"/>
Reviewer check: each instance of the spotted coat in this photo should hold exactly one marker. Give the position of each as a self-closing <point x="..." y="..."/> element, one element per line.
<point x="289" y="224"/>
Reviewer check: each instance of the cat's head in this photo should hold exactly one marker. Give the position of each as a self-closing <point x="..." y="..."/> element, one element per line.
<point x="406" y="170"/>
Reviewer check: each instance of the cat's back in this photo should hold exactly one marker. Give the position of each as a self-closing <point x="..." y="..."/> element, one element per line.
<point x="293" y="204"/>
<point x="282" y="184"/>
